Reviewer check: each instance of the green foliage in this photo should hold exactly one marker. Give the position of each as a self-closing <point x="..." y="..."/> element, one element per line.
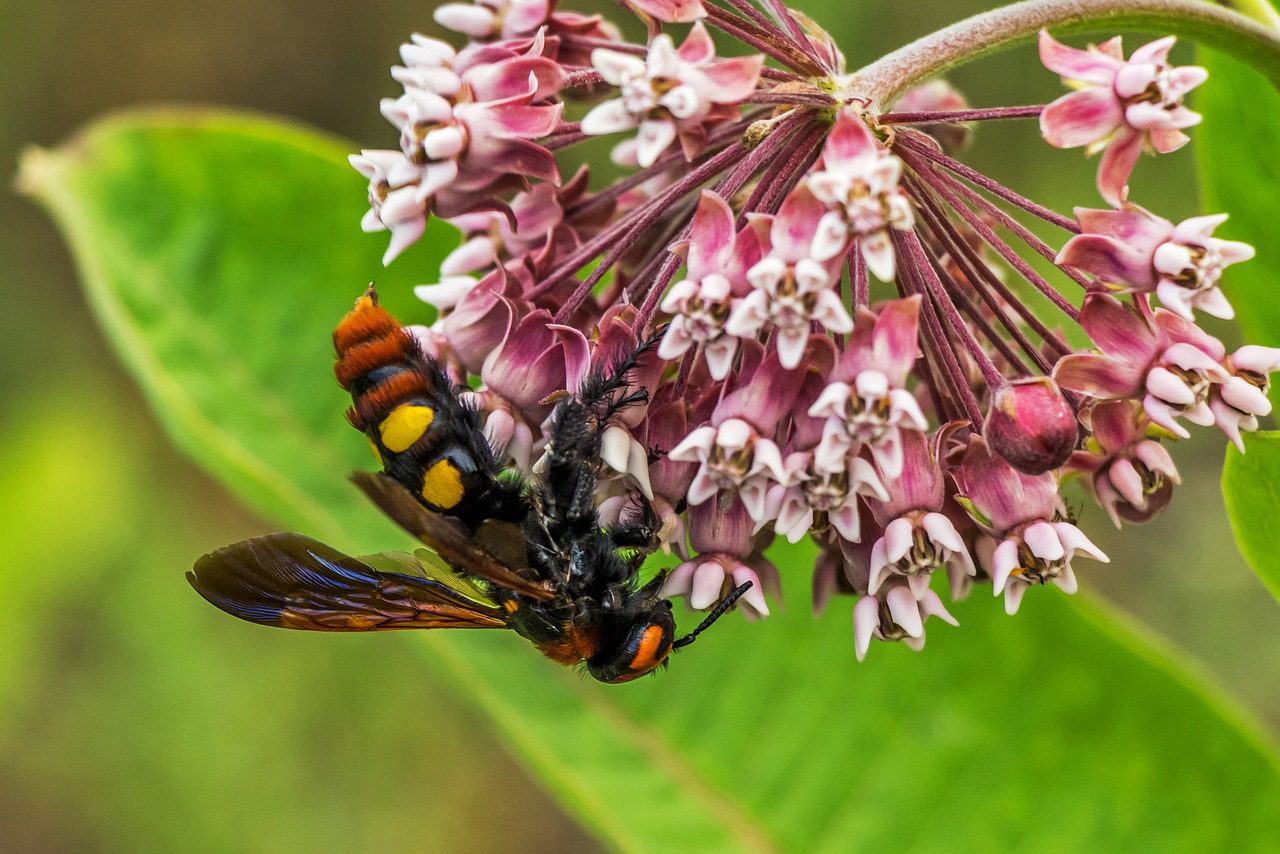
<point x="1239" y="174"/>
<point x="220" y="250"/>
<point x="1242" y="179"/>
<point x="1251" y="485"/>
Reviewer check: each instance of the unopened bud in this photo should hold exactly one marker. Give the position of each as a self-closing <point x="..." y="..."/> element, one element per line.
<point x="1031" y="425"/>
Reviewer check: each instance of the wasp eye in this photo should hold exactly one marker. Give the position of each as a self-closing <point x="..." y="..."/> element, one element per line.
<point x="643" y="647"/>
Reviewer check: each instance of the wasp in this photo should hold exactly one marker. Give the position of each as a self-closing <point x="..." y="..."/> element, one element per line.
<point x="503" y="551"/>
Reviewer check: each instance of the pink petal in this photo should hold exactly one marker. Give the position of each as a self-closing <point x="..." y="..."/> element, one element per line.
<point x="671" y="11"/>
<point x="1112" y="261"/>
<point x="1131" y="226"/>
<point x="609" y="117"/>
<point x="707" y="582"/>
<point x="1113" y="425"/>
<point x="894" y="338"/>
<point x="1081" y="118"/>
<point x="697" y="47"/>
<point x="1117" y="163"/>
<point x="1165" y="141"/>
<point x="1156" y="52"/>
<point x="848" y="141"/>
<point x="1004" y="560"/>
<point x="1118" y="331"/>
<point x="1097" y="66"/>
<point x="794" y="226"/>
<point x="710" y="235"/>
<point x="732" y="80"/>
<point x="905" y="611"/>
<point x="866" y="619"/>
<point x="1097" y="376"/>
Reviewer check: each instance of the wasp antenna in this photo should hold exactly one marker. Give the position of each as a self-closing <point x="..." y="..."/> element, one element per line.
<point x="716" y="613"/>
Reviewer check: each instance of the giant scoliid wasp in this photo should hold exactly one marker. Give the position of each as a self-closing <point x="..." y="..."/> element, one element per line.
<point x="528" y="554"/>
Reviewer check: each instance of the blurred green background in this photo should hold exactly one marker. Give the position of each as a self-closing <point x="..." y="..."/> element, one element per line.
<point x="132" y="715"/>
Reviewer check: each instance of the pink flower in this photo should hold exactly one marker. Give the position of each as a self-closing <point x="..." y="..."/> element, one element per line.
<point x="917" y="538"/>
<point x="536" y="358"/>
<point x="1026" y="545"/>
<point x="1119" y="106"/>
<point x="1237" y="402"/>
<point x="460" y="134"/>
<point x="1132" y="477"/>
<point x="708" y="578"/>
<point x="859" y="187"/>
<point x="717" y="261"/>
<point x="672" y="93"/>
<point x="733" y="458"/>
<point x="829" y="492"/>
<point x="1136" y="251"/>
<point x="1167" y="362"/>
<point x="866" y="401"/>
<point x="895" y="613"/>
<point x="791" y="290"/>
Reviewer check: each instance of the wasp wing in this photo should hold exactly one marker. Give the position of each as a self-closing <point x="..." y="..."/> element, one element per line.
<point x="296" y="582"/>
<point x="447" y="536"/>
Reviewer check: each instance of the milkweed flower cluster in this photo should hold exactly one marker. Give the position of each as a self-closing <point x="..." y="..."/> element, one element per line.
<point x="835" y="350"/>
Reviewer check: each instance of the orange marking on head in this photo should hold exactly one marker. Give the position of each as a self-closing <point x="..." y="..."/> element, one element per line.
<point x="369" y="356"/>
<point x="646" y="657"/>
<point x="366" y="320"/>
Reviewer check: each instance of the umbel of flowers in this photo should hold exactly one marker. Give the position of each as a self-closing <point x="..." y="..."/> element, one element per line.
<point x="841" y="354"/>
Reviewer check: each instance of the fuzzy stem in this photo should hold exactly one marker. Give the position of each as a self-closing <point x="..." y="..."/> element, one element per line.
<point x="748" y="33"/>
<point x="910" y="276"/>
<point x="990" y="280"/>
<point x="569" y="40"/>
<point x="858" y="280"/>
<point x="929" y="276"/>
<point x="988" y="234"/>
<point x="926" y="149"/>
<point x="883" y="81"/>
<point x="798" y="36"/>
<point x="933" y="117"/>
<point x="1045" y="250"/>
<point x="974" y="269"/>
<point x="623" y="236"/>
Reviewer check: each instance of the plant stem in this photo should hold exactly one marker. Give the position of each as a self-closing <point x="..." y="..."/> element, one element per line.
<point x="884" y="80"/>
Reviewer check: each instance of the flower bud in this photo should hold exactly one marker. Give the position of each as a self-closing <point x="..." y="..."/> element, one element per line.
<point x="1031" y="425"/>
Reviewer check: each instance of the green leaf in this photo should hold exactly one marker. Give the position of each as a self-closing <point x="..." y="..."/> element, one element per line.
<point x="219" y="250"/>
<point x="1251" y="485"/>
<point x="1238" y="104"/>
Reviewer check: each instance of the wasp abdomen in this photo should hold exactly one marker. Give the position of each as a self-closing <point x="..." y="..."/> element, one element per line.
<point x="422" y="434"/>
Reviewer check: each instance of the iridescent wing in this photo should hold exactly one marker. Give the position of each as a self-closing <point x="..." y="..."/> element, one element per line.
<point x="447" y="536"/>
<point x="296" y="582"/>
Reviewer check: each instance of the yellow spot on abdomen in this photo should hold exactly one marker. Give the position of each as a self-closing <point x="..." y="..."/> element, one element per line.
<point x="404" y="426"/>
<point x="442" y="485"/>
